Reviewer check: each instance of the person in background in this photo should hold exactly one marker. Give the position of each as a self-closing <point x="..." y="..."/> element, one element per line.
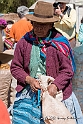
<point x="43" y="51"/>
<point x="8" y="44"/>
<point x="67" y="22"/>
<point x="80" y="35"/>
<point x="4" y="115"/>
<point x="22" y="26"/>
<point x="3" y="25"/>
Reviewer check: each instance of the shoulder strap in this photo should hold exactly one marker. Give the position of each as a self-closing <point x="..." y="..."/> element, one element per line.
<point x="68" y="11"/>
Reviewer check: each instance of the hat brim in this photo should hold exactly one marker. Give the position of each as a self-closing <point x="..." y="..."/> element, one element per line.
<point x="10" y="16"/>
<point x="31" y="17"/>
<point x="5" y="58"/>
<point x="62" y="1"/>
<point x="3" y="26"/>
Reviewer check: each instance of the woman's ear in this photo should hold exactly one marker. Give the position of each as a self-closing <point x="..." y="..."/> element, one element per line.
<point x="52" y="24"/>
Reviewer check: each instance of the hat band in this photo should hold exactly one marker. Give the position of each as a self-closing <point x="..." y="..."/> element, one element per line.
<point x="42" y="16"/>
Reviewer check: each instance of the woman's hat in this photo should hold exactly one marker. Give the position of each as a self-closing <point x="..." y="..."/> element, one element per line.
<point x="43" y="12"/>
<point x="63" y="1"/>
<point x="6" y="56"/>
<point x="10" y="16"/>
<point x="3" y="23"/>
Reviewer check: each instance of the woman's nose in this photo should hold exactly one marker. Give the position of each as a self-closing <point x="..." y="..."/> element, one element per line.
<point x="40" y="28"/>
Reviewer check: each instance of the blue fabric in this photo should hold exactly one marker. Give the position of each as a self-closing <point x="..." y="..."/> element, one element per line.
<point x="64" y="40"/>
<point x="27" y="108"/>
<point x="80" y="35"/>
<point x="30" y="37"/>
<point x="73" y="106"/>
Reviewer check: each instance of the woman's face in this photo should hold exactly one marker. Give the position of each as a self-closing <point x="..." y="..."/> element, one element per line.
<point x="42" y="29"/>
<point x="62" y="6"/>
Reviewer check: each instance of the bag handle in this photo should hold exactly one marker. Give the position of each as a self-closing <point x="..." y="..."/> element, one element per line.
<point x="36" y="97"/>
<point x="39" y="99"/>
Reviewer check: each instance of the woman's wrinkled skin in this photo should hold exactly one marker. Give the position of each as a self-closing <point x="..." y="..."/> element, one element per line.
<point x="42" y="29"/>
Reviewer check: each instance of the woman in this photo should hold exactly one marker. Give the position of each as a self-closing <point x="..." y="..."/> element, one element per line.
<point x="41" y="51"/>
<point x="80" y="35"/>
<point x="8" y="44"/>
<point x="3" y="25"/>
<point x="67" y="25"/>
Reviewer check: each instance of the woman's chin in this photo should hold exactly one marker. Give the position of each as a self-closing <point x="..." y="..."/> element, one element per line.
<point x="40" y="35"/>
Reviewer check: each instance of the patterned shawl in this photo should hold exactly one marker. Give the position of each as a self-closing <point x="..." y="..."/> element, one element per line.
<point x="60" y="43"/>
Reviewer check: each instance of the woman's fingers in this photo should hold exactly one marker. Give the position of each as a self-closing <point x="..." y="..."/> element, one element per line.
<point x="35" y="85"/>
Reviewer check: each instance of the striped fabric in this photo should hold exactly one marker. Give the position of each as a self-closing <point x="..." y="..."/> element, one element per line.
<point x="7" y="40"/>
<point x="25" y="113"/>
<point x="8" y="43"/>
<point x="27" y="108"/>
<point x="60" y="43"/>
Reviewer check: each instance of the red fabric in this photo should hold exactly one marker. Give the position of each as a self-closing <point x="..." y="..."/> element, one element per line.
<point x="4" y="115"/>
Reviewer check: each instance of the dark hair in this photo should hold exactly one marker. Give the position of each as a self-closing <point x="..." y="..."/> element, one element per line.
<point x="21" y="15"/>
<point x="56" y="4"/>
<point x="82" y="20"/>
<point x="10" y="22"/>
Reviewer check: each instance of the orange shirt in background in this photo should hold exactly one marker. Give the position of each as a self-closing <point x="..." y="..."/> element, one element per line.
<point x="20" y="28"/>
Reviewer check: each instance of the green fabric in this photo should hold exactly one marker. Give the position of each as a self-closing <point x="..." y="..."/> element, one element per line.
<point x="37" y="64"/>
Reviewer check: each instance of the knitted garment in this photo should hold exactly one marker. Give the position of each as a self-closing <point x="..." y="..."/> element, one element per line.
<point x="3" y="23"/>
<point x="37" y="64"/>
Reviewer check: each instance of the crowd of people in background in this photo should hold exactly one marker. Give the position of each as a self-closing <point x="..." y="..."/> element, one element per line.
<point x="33" y="53"/>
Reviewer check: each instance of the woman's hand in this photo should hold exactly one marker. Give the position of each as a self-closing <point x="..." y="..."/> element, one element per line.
<point x="52" y="89"/>
<point x="57" y="11"/>
<point x="34" y="84"/>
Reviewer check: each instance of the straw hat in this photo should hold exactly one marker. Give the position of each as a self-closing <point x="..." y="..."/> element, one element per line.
<point x="6" y="56"/>
<point x="63" y="1"/>
<point x="43" y="12"/>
